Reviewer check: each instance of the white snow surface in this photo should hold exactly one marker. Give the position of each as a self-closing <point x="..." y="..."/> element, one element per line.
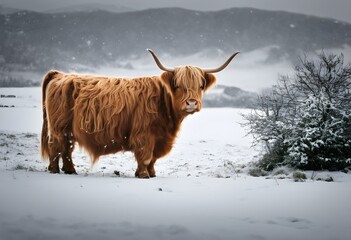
<point x="202" y="189"/>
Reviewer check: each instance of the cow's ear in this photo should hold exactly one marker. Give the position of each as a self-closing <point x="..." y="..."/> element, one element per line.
<point x="167" y="77"/>
<point x="210" y="80"/>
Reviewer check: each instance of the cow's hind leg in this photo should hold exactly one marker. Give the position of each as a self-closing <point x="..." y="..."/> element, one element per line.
<point x="68" y="166"/>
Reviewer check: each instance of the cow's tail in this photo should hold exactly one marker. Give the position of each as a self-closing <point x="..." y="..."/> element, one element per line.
<point x="44" y="132"/>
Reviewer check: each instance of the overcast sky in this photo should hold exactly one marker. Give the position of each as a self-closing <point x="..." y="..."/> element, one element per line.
<point x="338" y="9"/>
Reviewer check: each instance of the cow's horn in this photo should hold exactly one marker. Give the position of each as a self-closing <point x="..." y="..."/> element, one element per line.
<point x="214" y="70"/>
<point x="159" y="64"/>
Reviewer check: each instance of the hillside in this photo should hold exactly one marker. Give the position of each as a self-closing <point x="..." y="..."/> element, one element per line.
<point x="225" y="96"/>
<point x="90" y="7"/>
<point x="39" y="41"/>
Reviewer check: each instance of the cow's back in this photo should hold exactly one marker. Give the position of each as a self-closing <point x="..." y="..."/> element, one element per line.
<point x="110" y="114"/>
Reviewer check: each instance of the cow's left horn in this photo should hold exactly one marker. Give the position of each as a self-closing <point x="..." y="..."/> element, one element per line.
<point x="214" y="70"/>
<point x="159" y="64"/>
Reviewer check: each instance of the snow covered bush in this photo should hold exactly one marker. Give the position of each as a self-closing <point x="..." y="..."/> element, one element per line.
<point x="319" y="137"/>
<point x="305" y="120"/>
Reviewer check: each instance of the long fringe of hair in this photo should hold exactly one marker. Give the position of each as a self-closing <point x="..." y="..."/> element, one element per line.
<point x="190" y="79"/>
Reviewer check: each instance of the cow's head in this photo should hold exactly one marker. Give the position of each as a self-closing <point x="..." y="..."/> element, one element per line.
<point x="187" y="83"/>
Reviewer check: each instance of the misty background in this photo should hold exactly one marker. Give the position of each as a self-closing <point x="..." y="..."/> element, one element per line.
<point x="110" y="37"/>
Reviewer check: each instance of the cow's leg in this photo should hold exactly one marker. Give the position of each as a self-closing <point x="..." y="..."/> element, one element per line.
<point x="151" y="169"/>
<point x="68" y="166"/>
<point x="144" y="156"/>
<point x="55" y="153"/>
<point x="142" y="171"/>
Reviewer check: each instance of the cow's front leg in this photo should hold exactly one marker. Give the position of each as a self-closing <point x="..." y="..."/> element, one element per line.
<point x="144" y="157"/>
<point x="142" y="170"/>
<point x="151" y="168"/>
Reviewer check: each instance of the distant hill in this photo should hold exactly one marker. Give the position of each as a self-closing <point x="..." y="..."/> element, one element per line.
<point x="8" y="10"/>
<point x="34" y="41"/>
<point x="91" y="7"/>
<point x="224" y="96"/>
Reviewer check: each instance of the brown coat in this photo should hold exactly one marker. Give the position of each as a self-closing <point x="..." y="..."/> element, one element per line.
<point x="106" y="115"/>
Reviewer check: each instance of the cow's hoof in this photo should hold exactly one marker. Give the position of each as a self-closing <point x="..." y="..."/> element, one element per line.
<point x="53" y="169"/>
<point x="69" y="171"/>
<point x="143" y="174"/>
<point x="152" y="172"/>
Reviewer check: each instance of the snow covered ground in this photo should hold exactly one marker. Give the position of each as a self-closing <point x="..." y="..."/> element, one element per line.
<point x="202" y="190"/>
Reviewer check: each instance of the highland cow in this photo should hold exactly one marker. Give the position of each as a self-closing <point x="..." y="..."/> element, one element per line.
<point x="105" y="115"/>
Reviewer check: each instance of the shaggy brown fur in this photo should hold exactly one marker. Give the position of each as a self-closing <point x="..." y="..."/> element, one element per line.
<point x="106" y="115"/>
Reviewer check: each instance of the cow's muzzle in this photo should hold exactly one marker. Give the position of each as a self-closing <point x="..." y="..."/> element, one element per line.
<point x="191" y="105"/>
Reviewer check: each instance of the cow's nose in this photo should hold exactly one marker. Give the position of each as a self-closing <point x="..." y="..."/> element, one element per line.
<point x="191" y="102"/>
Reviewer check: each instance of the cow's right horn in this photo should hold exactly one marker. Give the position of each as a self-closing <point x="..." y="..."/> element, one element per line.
<point x="159" y="64"/>
<point x="224" y="65"/>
